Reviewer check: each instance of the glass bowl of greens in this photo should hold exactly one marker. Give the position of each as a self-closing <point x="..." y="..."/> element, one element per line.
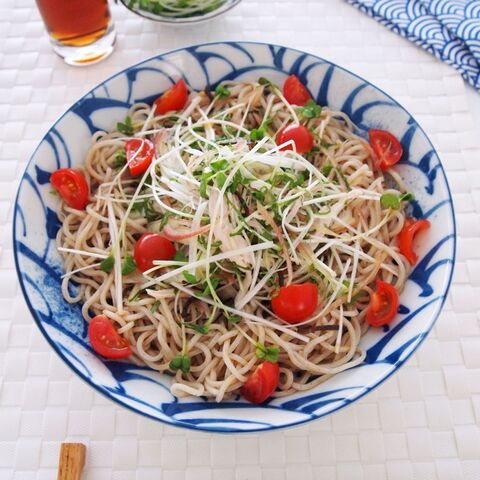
<point x="179" y="11"/>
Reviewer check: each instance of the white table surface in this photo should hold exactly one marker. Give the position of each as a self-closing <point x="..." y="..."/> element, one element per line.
<point x="423" y="423"/>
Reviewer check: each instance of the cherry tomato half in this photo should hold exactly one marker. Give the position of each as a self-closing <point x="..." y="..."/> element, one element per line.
<point x="175" y="98"/>
<point x="295" y="92"/>
<point x="296" y="303"/>
<point x="105" y="339"/>
<point x="139" y="153"/>
<point x="405" y="239"/>
<point x="71" y="186"/>
<point x="383" y="305"/>
<point x="262" y="383"/>
<point x="300" y="135"/>
<point x="386" y="147"/>
<point x="150" y="247"/>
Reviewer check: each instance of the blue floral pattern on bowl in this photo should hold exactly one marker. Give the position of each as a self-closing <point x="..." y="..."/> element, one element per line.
<point x="147" y="392"/>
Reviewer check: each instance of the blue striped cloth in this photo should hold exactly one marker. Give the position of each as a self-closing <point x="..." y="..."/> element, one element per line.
<point x="449" y="29"/>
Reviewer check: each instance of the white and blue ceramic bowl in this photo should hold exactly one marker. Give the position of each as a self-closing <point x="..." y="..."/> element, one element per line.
<point x="147" y="392"/>
<point x="182" y="20"/>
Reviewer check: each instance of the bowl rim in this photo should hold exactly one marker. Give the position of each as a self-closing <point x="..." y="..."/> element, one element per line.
<point x="180" y="423"/>
<point x="224" y="8"/>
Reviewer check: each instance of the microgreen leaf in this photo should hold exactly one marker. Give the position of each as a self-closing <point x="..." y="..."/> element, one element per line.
<point x="232" y="318"/>
<point x="221" y="178"/>
<point x="180" y="256"/>
<point x="393" y="201"/>
<point x="257" y="133"/>
<point x="128" y="265"/>
<point x="259" y="195"/>
<point x="155" y="306"/>
<point x="135" y="297"/>
<point x="203" y="329"/>
<point x="175" y="363"/>
<point x="138" y="206"/>
<point x="219" y="165"/>
<point x="344" y="178"/>
<point x="126" y="127"/>
<point x="215" y="281"/>
<point x="300" y="179"/>
<point x="310" y="110"/>
<point x="164" y="221"/>
<point x="190" y="278"/>
<point x="107" y="264"/>
<point x="390" y="200"/>
<point x="266" y="81"/>
<point x="204" y="183"/>
<point x="238" y="179"/>
<point x="120" y="159"/>
<point x="180" y="362"/>
<point x="407" y="197"/>
<point x="185" y="367"/>
<point x="222" y="91"/>
<point x="327" y="169"/>
<point x="269" y="354"/>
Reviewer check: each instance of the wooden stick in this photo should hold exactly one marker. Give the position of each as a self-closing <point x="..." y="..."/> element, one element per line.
<point x="72" y="461"/>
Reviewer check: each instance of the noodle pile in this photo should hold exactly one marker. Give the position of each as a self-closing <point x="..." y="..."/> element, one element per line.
<point x="258" y="217"/>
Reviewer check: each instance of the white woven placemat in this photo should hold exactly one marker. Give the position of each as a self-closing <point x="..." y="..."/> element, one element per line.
<point x="423" y="423"/>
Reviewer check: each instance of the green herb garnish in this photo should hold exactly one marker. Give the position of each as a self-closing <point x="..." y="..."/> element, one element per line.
<point x="120" y="159"/>
<point x="220" y="178"/>
<point x="203" y="329"/>
<point x="180" y="362"/>
<point x="215" y="281"/>
<point x="393" y="201"/>
<point x="232" y="318"/>
<point x="107" y="264"/>
<point x="135" y="297"/>
<point x="310" y="110"/>
<point x="206" y="176"/>
<point x="126" y="127"/>
<point x="222" y="91"/>
<point x="269" y="354"/>
<point x="180" y="257"/>
<point x="155" y="306"/>
<point x="190" y="278"/>
<point x="266" y="82"/>
<point x="128" y="265"/>
<point x="327" y="169"/>
<point x="219" y="165"/>
<point x="257" y="134"/>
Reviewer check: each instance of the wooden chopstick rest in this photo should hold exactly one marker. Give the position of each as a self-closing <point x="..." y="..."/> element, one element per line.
<point x="72" y="461"/>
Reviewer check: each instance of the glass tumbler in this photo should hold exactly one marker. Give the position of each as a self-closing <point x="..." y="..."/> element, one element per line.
<point x="81" y="31"/>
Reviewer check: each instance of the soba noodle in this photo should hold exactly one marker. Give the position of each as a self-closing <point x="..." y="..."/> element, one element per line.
<point x="270" y="218"/>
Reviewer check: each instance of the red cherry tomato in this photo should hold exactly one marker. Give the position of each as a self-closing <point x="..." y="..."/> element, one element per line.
<point x="105" y="340"/>
<point x="150" y="247"/>
<point x="175" y="98"/>
<point x="383" y="305"/>
<point x="72" y="187"/>
<point x="262" y="383"/>
<point x="296" y="303"/>
<point x="405" y="239"/>
<point x="295" y="92"/>
<point x="139" y="153"/>
<point x="300" y="135"/>
<point x="386" y="147"/>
